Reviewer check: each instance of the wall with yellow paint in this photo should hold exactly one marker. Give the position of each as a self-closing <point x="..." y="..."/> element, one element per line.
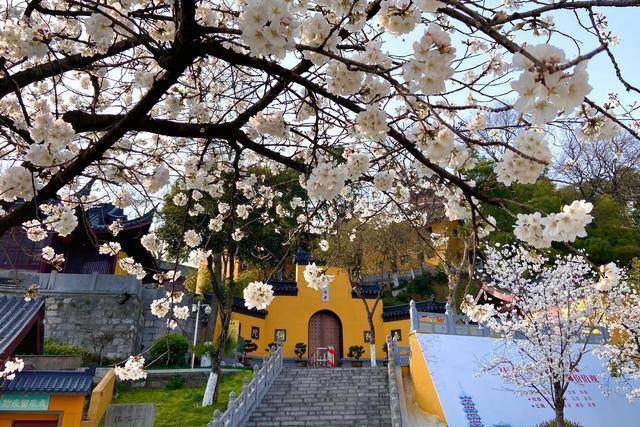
<point x="68" y="408"/>
<point x="246" y="322"/>
<point x="292" y="313"/>
<point x="425" y="392"/>
<point x="100" y="398"/>
<point x="403" y="325"/>
<point x="118" y="270"/>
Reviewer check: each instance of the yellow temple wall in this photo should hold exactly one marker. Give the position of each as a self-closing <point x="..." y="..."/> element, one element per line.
<point x="67" y="408"/>
<point x="292" y="313"/>
<point x="403" y="325"/>
<point x="425" y="392"/>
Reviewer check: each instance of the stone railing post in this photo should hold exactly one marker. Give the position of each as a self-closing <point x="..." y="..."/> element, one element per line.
<point x="450" y="319"/>
<point x="413" y="316"/>
<point x="231" y="408"/>
<point x="394" y="400"/>
<point x="240" y="408"/>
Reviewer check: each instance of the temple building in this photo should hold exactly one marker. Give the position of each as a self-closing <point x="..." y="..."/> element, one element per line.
<point x="333" y="317"/>
<point x="80" y="248"/>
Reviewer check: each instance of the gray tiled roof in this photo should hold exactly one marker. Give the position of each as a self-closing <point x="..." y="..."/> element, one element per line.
<point x="15" y="315"/>
<point x="53" y="382"/>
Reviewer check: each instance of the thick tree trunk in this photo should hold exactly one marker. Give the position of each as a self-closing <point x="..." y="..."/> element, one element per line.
<point x="453" y="283"/>
<point x="559" y="404"/>
<point x="211" y="392"/>
<point x="372" y="342"/>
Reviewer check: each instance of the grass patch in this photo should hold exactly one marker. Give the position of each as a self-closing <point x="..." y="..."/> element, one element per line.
<point x="181" y="408"/>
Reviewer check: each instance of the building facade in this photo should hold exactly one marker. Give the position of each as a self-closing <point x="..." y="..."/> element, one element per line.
<point x="335" y="316"/>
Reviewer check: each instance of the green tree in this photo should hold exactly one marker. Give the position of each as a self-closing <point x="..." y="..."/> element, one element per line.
<point x="613" y="235"/>
<point x="263" y="226"/>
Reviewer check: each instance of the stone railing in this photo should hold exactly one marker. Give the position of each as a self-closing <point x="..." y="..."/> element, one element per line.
<point x="240" y="408"/>
<point x="459" y="324"/>
<point x="395" y="384"/>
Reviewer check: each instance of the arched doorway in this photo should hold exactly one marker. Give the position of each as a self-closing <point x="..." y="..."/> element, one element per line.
<point x="325" y="329"/>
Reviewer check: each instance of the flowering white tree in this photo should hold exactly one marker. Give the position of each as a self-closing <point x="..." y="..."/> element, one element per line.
<point x="548" y="328"/>
<point x="622" y="354"/>
<point x="369" y="101"/>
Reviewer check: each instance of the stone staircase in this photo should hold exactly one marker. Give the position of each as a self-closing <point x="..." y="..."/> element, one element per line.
<point x="326" y="397"/>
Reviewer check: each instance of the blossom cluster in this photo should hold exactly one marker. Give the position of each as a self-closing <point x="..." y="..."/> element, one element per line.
<point x="542" y="91"/>
<point x="257" y="295"/>
<point x="565" y="226"/>
<point x="11" y="367"/>
<point x="515" y="168"/>
<point x="132" y="370"/>
<point x="430" y="66"/>
<point x="316" y="277"/>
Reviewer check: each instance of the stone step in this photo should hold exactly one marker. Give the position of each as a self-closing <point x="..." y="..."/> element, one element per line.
<point x="326" y="397"/>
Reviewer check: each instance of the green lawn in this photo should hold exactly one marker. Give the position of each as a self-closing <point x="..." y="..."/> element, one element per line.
<point x="181" y="408"/>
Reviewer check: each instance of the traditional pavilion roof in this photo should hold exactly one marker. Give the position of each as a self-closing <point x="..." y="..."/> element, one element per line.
<point x="16" y="318"/>
<point x="239" y="307"/>
<point x="502" y="300"/>
<point x="104" y="214"/>
<point x="367" y="291"/>
<point x="51" y="382"/>
<point x="302" y="257"/>
<point x="284" y="287"/>
<point x="400" y="312"/>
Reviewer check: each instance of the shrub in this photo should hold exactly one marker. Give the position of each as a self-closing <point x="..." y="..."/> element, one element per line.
<point x="202" y="349"/>
<point x="175" y="382"/>
<point x="356" y="351"/>
<point x="170" y="350"/>
<point x="55" y="347"/>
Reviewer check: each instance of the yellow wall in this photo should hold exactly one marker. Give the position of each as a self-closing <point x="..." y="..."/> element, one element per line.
<point x="118" y="270"/>
<point x="293" y="313"/>
<point x="100" y="399"/>
<point x="403" y="325"/>
<point x="425" y="392"/>
<point x="67" y="407"/>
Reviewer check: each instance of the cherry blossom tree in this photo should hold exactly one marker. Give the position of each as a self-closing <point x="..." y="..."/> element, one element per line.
<point x="558" y="304"/>
<point x="622" y="354"/>
<point x="368" y="101"/>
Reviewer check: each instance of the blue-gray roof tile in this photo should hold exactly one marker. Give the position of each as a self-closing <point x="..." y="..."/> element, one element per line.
<point x="52" y="382"/>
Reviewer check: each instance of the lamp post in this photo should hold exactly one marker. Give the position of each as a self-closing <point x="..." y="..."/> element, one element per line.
<point x="207" y="311"/>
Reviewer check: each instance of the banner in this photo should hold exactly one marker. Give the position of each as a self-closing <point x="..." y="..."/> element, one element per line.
<point x="467" y="399"/>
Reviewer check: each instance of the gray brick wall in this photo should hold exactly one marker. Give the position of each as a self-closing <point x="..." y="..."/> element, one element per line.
<point x="81" y="309"/>
<point x="96" y="322"/>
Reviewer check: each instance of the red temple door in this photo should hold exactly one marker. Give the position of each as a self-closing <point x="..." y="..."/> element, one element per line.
<point x="325" y="330"/>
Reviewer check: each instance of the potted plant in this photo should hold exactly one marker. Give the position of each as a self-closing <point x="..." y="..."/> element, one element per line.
<point x="249" y="347"/>
<point x="271" y="347"/>
<point x="356" y="352"/>
<point x="300" y="349"/>
<point x="386" y="352"/>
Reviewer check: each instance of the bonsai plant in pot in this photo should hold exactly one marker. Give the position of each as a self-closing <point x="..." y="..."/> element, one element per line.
<point x="249" y="347"/>
<point x="271" y="347"/>
<point x="356" y="352"/>
<point x="300" y="349"/>
<point x="385" y="348"/>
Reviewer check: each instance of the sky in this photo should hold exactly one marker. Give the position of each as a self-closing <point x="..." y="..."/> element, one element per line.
<point x="624" y="22"/>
